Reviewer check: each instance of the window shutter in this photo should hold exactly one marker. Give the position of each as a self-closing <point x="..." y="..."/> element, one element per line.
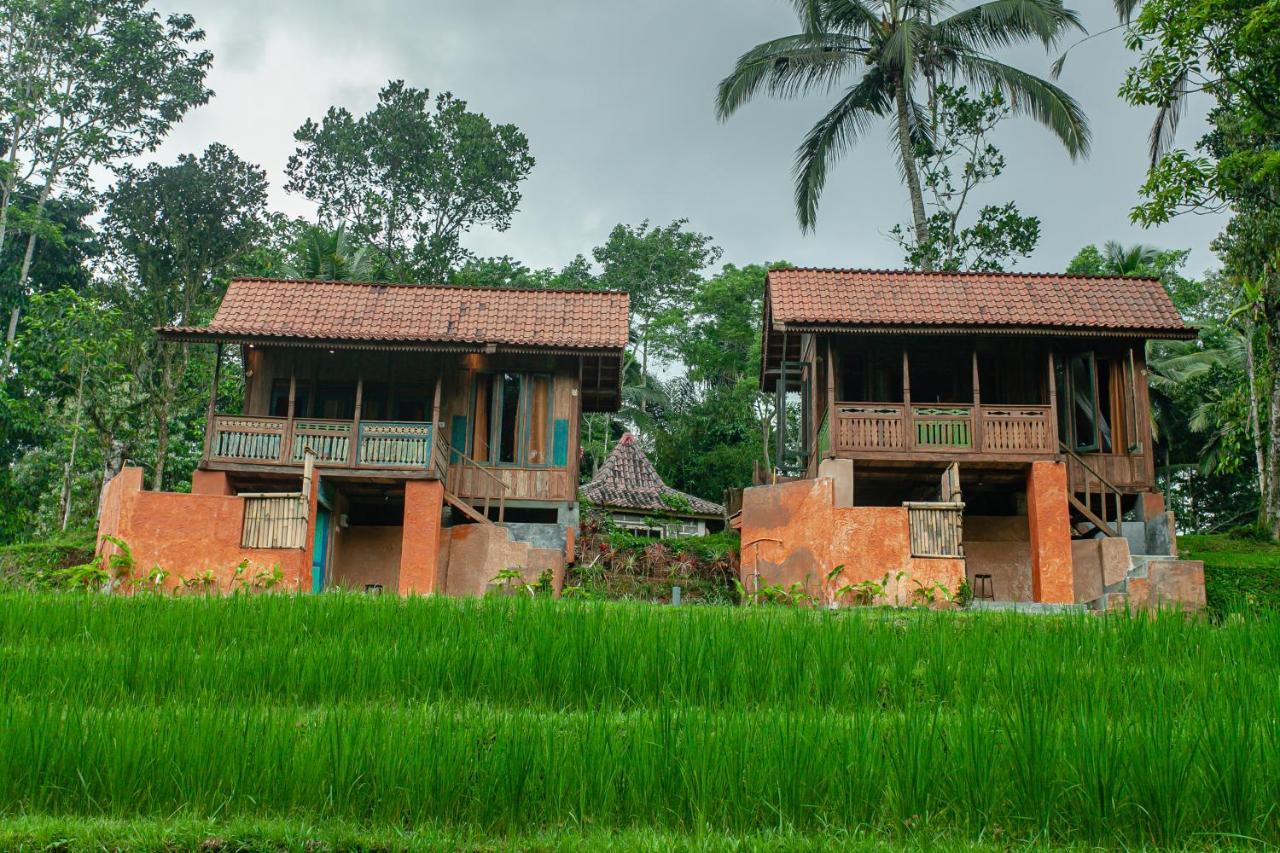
<point x="560" y="451"/>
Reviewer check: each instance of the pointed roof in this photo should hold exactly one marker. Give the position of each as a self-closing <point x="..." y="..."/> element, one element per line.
<point x="628" y="480"/>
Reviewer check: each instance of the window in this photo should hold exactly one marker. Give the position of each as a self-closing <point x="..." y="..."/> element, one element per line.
<point x="336" y="401"/>
<point x="280" y="399"/>
<point x="1080" y="414"/>
<point x="539" y="419"/>
<point x="411" y="405"/>
<point x="511" y="419"/>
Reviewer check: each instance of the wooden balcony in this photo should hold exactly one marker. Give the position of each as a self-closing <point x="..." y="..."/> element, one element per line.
<point x="374" y="445"/>
<point x="962" y="428"/>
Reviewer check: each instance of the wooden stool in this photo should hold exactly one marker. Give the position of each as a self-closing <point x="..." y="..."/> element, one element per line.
<point x="982" y="587"/>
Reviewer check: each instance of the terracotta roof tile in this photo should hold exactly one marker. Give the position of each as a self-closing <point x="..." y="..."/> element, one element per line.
<point x="628" y="480"/>
<point x="911" y="298"/>
<point x="361" y="311"/>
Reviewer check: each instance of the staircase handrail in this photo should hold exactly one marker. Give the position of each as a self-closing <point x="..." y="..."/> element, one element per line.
<point x="464" y="460"/>
<point x="1108" y="491"/>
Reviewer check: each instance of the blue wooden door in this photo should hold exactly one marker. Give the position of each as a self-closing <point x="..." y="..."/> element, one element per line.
<point x="320" y="550"/>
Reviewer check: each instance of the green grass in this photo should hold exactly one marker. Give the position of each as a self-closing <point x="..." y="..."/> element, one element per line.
<point x="1238" y="572"/>
<point x="520" y="722"/>
<point x="30" y="565"/>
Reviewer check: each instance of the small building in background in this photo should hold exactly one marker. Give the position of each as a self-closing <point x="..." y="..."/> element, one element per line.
<point x="629" y="490"/>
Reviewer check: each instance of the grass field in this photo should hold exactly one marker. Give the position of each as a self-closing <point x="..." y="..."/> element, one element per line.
<point x="482" y="723"/>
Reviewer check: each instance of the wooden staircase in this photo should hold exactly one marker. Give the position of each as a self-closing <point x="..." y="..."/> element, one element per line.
<point x="1096" y="504"/>
<point x="462" y="505"/>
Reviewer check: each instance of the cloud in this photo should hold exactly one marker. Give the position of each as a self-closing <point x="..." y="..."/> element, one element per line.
<point x="616" y="98"/>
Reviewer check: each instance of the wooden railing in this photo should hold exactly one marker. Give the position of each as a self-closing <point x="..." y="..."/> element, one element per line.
<point x="936" y="529"/>
<point x="944" y="427"/>
<point x="1092" y="495"/>
<point x="1014" y="429"/>
<point x="466" y="464"/>
<point x="281" y="441"/>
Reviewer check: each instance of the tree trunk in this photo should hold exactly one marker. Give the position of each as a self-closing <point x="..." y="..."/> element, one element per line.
<point x="1271" y="505"/>
<point x="112" y="465"/>
<point x="11" y="334"/>
<point x="906" y="151"/>
<point x="1255" y="423"/>
<point x="69" y="469"/>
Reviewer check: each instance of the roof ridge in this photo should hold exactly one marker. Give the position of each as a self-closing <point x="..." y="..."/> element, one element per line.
<point x="266" y="279"/>
<point x="958" y="273"/>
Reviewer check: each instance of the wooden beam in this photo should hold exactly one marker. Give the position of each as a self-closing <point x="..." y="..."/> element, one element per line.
<point x="354" y="448"/>
<point x="909" y="423"/>
<point x="1055" y="439"/>
<point x="213" y="398"/>
<point x="831" y="398"/>
<point x="977" y="402"/>
<point x="286" y="443"/>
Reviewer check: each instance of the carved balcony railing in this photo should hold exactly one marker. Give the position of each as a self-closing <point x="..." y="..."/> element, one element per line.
<point x="958" y="428"/>
<point x="254" y="440"/>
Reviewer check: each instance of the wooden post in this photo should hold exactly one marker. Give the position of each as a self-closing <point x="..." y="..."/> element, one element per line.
<point x="308" y="472"/>
<point x="1054" y="438"/>
<point x="354" y="449"/>
<point x="286" y="443"/>
<point x="908" y="419"/>
<point x="213" y="399"/>
<point x="977" y="403"/>
<point x="832" y="424"/>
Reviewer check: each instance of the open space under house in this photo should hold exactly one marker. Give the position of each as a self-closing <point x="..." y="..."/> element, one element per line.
<point x="988" y="427"/>
<point x="406" y="438"/>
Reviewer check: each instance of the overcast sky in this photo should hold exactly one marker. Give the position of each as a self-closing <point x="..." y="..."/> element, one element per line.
<point x="616" y="99"/>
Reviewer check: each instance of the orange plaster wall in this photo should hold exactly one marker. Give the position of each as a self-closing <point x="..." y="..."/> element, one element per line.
<point x="786" y="535"/>
<point x="420" y="549"/>
<point x="187" y="534"/>
<point x="210" y="483"/>
<point x="367" y="555"/>
<point x="791" y="533"/>
<point x="1051" y="573"/>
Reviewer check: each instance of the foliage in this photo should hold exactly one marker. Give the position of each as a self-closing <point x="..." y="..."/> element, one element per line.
<point x="614" y="563"/>
<point x="323" y="255"/>
<point x="1227" y="50"/>
<point x="1240" y="574"/>
<point x="893" y="51"/>
<point x="33" y="565"/>
<point x="176" y="233"/>
<point x="916" y="727"/>
<point x="412" y="175"/>
<point x="955" y="159"/>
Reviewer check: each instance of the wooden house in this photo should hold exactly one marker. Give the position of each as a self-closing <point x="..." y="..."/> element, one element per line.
<point x="415" y="422"/>
<point x="996" y="426"/>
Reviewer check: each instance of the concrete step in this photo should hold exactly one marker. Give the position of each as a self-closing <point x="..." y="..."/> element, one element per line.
<point x="1032" y="607"/>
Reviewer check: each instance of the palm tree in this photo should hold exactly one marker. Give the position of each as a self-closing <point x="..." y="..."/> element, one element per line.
<point x="889" y="49"/>
<point x="324" y="255"/>
<point x="1132" y="260"/>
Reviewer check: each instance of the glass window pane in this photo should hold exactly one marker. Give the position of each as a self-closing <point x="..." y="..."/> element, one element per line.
<point x="1083" y="408"/>
<point x="539" y="420"/>
<point x="508" y="417"/>
<point x="480" y="418"/>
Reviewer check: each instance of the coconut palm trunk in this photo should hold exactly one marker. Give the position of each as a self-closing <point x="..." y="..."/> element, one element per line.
<point x="906" y="151"/>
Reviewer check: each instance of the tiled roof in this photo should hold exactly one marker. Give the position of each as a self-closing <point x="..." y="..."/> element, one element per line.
<point x="414" y="313"/>
<point x="817" y="297"/>
<point x="628" y="480"/>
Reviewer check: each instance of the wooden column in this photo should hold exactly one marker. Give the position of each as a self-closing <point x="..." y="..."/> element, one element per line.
<point x="354" y="449"/>
<point x="977" y="403"/>
<point x="1054" y="438"/>
<point x="286" y="443"/>
<point x="908" y="420"/>
<point x="213" y="398"/>
<point x="831" y="401"/>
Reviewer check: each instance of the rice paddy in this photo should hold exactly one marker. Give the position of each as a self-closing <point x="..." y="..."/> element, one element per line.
<point x="508" y="718"/>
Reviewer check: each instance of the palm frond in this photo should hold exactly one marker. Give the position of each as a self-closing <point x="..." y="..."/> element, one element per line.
<point x="831" y="137"/>
<point x="1165" y="127"/>
<point x="1029" y="95"/>
<point x="786" y="67"/>
<point x="1003" y="23"/>
<point x="1126" y="8"/>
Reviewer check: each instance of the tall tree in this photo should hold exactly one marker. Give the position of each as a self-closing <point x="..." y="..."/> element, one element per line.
<point x="176" y="232"/>
<point x="85" y="83"/>
<point x="413" y="175"/>
<point x="661" y="268"/>
<point x="1228" y="50"/>
<point x="896" y="51"/>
